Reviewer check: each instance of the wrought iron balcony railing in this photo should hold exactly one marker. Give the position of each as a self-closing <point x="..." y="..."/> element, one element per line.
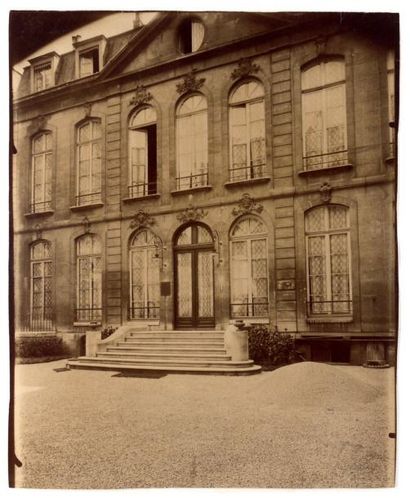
<point x="192" y="181"/>
<point x="40" y="207"/>
<point x="339" y="307"/>
<point x="258" y="307"/>
<point x="91" y="198"/>
<point x="141" y="189"/>
<point x="240" y="172"/>
<point x="322" y="161"/>
<point x="150" y="311"/>
<point x="37" y="321"/>
<point x="88" y="314"/>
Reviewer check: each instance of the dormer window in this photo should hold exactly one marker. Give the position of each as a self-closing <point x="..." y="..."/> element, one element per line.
<point x="89" y="62"/>
<point x="88" y="55"/>
<point x="42" y="77"/>
<point x="43" y="70"/>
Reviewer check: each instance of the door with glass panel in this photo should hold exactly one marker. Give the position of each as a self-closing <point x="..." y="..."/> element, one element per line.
<point x="144" y="276"/>
<point x="249" y="269"/>
<point x="194" y="278"/>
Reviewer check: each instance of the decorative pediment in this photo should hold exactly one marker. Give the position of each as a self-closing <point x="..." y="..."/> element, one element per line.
<point x="141" y="96"/>
<point x="246" y="205"/>
<point x="325" y="192"/>
<point x="191" y="83"/>
<point x="141" y="219"/>
<point x="191" y="213"/>
<point x="245" y="68"/>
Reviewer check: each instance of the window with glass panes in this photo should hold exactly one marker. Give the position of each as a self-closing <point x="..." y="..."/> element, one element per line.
<point x="144" y="275"/>
<point x="89" y="278"/>
<point x="42" y="76"/>
<point x="41" y="170"/>
<point x="89" y="163"/>
<point x="41" y="278"/>
<point x="247" y="131"/>
<point x="192" y="143"/>
<point x="249" y="268"/>
<point x="89" y="62"/>
<point x="324" y="115"/>
<point x="142" y="155"/>
<point x="328" y="260"/>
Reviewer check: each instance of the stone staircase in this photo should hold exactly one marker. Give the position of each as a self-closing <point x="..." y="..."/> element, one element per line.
<point x="187" y="351"/>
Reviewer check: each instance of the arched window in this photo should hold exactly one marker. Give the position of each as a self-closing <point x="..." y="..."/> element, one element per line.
<point x="249" y="268"/>
<point x="41" y="168"/>
<point x="328" y="260"/>
<point x="247" y="131"/>
<point x="89" y="278"/>
<point x="41" y="286"/>
<point x="324" y="114"/>
<point x="192" y="143"/>
<point x="142" y="155"/>
<point x="144" y="259"/>
<point x="89" y="162"/>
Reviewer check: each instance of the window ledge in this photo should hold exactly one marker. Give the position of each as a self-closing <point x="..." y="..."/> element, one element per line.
<point x="87" y="324"/>
<point x="250" y="321"/>
<point x="248" y="181"/>
<point x="87" y="206"/>
<point x="141" y="198"/>
<point x="330" y="319"/>
<point x="39" y="214"/>
<point x="193" y="189"/>
<point x="343" y="167"/>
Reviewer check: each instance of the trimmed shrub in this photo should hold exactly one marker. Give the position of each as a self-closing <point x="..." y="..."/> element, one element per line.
<point x="271" y="347"/>
<point x="40" y="347"/>
<point x="108" y="331"/>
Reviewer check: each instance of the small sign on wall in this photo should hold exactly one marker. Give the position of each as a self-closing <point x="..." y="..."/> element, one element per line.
<point x="165" y="288"/>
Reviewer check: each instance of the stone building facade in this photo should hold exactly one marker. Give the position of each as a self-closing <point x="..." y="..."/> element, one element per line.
<point x="207" y="168"/>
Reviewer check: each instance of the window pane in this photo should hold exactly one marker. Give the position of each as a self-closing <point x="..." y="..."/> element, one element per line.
<point x="312" y="78"/>
<point x="334" y="71"/>
<point x="185" y="237"/>
<point x="184" y="284"/>
<point x="144" y="117"/>
<point x="198" y="32"/>
<point x="84" y="133"/>
<point x="205" y="284"/>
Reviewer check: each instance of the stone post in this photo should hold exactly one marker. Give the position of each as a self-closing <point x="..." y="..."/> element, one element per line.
<point x="236" y="343"/>
<point x="92" y="338"/>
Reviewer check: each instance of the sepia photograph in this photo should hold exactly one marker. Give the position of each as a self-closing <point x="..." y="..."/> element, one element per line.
<point x="203" y="249"/>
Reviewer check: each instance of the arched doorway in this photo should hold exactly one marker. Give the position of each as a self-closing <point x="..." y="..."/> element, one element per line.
<point x="194" y="277"/>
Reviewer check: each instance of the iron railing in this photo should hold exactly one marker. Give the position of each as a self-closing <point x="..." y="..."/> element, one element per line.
<point x="141" y="189"/>
<point x="150" y="311"/>
<point x="321" y="161"/>
<point x="247" y="172"/>
<point x="192" y="181"/>
<point x="340" y="307"/>
<point x="257" y="307"/>
<point x="91" y="198"/>
<point x="37" y="321"/>
<point x="40" y="207"/>
<point x="88" y="314"/>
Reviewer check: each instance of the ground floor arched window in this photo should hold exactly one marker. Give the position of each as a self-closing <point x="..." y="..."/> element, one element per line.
<point x="249" y="268"/>
<point x="144" y="268"/>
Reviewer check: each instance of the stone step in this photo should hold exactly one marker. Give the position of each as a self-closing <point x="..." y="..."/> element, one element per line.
<point x="167" y="363"/>
<point x="159" y="348"/>
<point x="175" y="343"/>
<point x="171" y="336"/>
<point x="112" y="352"/>
<point x="121" y="367"/>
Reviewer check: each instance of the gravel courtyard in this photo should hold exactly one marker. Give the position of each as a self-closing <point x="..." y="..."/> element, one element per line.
<point x="304" y="425"/>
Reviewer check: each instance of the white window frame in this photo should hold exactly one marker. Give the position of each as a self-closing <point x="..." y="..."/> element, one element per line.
<point x="42" y="322"/>
<point x="47" y="152"/>
<point x="91" y="197"/>
<point x="196" y="177"/>
<point x="326" y="234"/>
<point x="248" y="239"/>
<point x="81" y="47"/>
<point x="137" y="188"/>
<point x="52" y="59"/>
<point x="150" y="245"/>
<point x="94" y="258"/>
<point x="336" y="158"/>
<point x="248" y="173"/>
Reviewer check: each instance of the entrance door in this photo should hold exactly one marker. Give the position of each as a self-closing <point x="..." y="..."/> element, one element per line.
<point x="194" y="278"/>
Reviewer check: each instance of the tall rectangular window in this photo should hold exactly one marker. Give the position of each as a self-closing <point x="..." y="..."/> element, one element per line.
<point x="247" y="131"/>
<point x="391" y="100"/>
<point x="41" y="169"/>
<point x="328" y="260"/>
<point x="89" y="163"/>
<point x="41" y="277"/>
<point x="89" y="62"/>
<point x="192" y="143"/>
<point x="89" y="279"/>
<point x="324" y="115"/>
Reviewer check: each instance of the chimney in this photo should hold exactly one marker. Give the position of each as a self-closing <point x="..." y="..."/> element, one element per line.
<point x="137" y="21"/>
<point x="75" y="39"/>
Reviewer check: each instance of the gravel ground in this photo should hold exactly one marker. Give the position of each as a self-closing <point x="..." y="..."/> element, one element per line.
<point x="304" y="425"/>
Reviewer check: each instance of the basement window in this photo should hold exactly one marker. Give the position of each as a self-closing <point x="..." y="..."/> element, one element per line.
<point x="191" y="35"/>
